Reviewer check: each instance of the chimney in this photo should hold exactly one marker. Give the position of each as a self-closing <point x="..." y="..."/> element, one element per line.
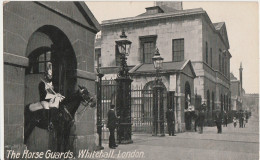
<point x="153" y="10"/>
<point x="240" y="75"/>
<point x="169" y="6"/>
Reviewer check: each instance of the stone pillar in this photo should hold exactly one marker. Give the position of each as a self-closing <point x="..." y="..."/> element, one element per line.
<point x="14" y="89"/>
<point x="178" y="105"/>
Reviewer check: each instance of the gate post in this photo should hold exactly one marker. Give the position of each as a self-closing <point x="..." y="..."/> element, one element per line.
<point x="158" y="97"/>
<point x="158" y="109"/>
<point x="99" y="110"/>
<point x="123" y="98"/>
<point x="123" y="107"/>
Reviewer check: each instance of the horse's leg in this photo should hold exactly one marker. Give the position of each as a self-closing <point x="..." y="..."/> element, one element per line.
<point x="59" y="137"/>
<point x="29" y="123"/>
<point x="28" y="129"/>
<point x="67" y="135"/>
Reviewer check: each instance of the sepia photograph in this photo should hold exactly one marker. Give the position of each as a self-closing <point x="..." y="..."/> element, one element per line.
<point x="148" y="80"/>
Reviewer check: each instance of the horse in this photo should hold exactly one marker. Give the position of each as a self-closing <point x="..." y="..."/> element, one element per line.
<point x="58" y="120"/>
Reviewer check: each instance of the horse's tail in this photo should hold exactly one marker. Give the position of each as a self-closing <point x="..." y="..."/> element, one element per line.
<point x="26" y="111"/>
<point x="26" y="119"/>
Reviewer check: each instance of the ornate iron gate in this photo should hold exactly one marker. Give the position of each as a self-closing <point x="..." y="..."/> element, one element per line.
<point x="108" y="97"/>
<point x="141" y="107"/>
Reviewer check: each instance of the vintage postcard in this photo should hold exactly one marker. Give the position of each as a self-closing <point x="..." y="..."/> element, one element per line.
<point x="130" y="80"/>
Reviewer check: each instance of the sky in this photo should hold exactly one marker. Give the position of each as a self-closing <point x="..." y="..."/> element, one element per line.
<point x="241" y="20"/>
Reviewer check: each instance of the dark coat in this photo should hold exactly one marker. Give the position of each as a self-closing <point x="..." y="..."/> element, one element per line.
<point x="112" y="119"/>
<point x="42" y="92"/>
<point x="201" y="118"/>
<point x="170" y="116"/>
<point x="218" y="119"/>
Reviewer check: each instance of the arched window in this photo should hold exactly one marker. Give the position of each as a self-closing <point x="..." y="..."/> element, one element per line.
<point x="213" y="103"/>
<point x="208" y="101"/>
<point x="38" y="60"/>
<point x="224" y="101"/>
<point x="229" y="104"/>
<point x="221" y="103"/>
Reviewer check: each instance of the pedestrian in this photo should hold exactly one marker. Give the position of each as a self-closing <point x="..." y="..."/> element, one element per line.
<point x="225" y="119"/>
<point x="247" y="117"/>
<point x="244" y="119"/>
<point x="170" y="121"/>
<point x="111" y="125"/>
<point x="234" y="122"/>
<point x="218" y="121"/>
<point x="201" y="119"/>
<point x="241" y="119"/>
<point x="196" y="120"/>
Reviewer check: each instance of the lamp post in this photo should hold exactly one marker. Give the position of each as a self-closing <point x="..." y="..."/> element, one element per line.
<point x="99" y="109"/>
<point x="158" y="110"/>
<point x="123" y="97"/>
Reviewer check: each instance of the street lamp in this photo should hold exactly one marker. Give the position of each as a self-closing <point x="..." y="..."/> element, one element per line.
<point x="99" y="109"/>
<point x="157" y="60"/>
<point x="124" y="46"/>
<point x="123" y="97"/>
<point x="158" y="110"/>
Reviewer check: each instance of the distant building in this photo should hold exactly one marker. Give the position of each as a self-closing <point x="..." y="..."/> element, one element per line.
<point x="251" y="102"/>
<point x="182" y="37"/>
<point x="240" y="100"/>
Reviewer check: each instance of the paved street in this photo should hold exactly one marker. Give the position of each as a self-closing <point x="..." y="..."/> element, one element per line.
<point x="232" y="144"/>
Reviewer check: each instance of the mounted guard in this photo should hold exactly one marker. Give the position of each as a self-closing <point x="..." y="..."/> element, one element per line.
<point x="48" y="97"/>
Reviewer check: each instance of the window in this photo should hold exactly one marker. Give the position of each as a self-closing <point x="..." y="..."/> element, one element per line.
<point x="147" y="49"/>
<point x="207" y="56"/>
<point x="221" y="103"/>
<point x="208" y="101"/>
<point x="211" y="57"/>
<point x="213" y="101"/>
<point x="177" y="50"/>
<point x="38" y="61"/>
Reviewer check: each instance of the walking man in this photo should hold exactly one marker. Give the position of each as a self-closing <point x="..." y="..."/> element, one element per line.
<point x="170" y="121"/>
<point x="111" y="125"/>
<point x="218" y="121"/>
<point x="234" y="122"/>
<point x="225" y="119"/>
<point x="201" y="119"/>
<point x="240" y="119"/>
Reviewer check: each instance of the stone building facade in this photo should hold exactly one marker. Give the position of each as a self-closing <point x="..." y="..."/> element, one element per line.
<point x="251" y="102"/>
<point x="45" y="30"/>
<point x="180" y="35"/>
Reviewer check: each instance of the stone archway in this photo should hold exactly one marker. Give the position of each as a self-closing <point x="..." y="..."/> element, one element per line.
<point x="151" y="112"/>
<point x="48" y="44"/>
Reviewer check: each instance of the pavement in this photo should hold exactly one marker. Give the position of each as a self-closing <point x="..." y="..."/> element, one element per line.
<point x="232" y="144"/>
